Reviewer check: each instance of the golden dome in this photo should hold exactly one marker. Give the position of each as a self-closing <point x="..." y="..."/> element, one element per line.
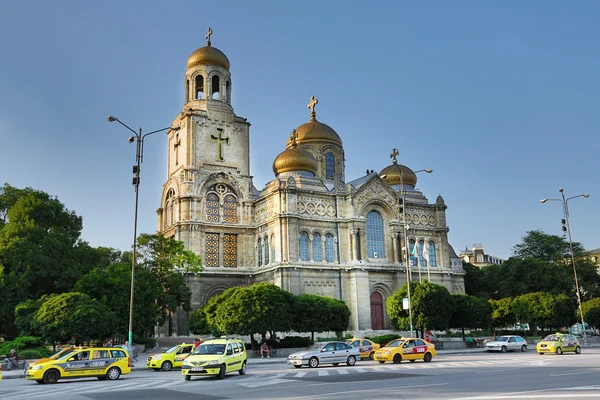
<point x="294" y="159"/>
<point x="315" y="131"/>
<point x="393" y="175"/>
<point x="208" y="55"/>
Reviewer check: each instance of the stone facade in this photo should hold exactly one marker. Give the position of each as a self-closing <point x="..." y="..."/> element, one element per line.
<point x="306" y="231"/>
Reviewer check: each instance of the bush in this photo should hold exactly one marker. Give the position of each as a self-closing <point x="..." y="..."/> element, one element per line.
<point x="149" y="343"/>
<point x="384" y="339"/>
<point x="293" y="341"/>
<point x="35" y="354"/>
<point x="21" y="343"/>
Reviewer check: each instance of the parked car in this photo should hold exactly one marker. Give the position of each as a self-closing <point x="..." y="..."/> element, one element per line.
<point x="507" y="343"/>
<point x="405" y="349"/>
<point x="559" y="343"/>
<point x="325" y="353"/>
<point x="216" y="357"/>
<point x="366" y="347"/>
<point x="172" y="358"/>
<point x="101" y="362"/>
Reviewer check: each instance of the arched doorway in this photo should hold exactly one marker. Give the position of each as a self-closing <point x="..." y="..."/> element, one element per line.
<point x="377" y="321"/>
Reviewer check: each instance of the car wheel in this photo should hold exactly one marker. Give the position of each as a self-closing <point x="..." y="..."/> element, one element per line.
<point x="187" y="377"/>
<point x="51" y="376"/>
<point x="577" y="350"/>
<point x="335" y="364"/>
<point x="222" y="371"/>
<point x="427" y="357"/>
<point x="39" y="381"/>
<point x="541" y="354"/>
<point x="101" y="378"/>
<point x="351" y="361"/>
<point x="313" y="362"/>
<point x="381" y="362"/>
<point x="156" y="369"/>
<point x="412" y="360"/>
<point x="242" y="370"/>
<point x="166" y="366"/>
<point x="559" y="351"/>
<point x="372" y="355"/>
<point x="523" y="348"/>
<point x="397" y="359"/>
<point x="298" y="366"/>
<point x="503" y="349"/>
<point x="113" y="373"/>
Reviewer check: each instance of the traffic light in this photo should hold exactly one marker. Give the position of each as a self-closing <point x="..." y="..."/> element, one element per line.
<point x="564" y="224"/>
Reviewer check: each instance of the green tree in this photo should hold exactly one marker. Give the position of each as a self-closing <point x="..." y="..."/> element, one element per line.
<point x="502" y="314"/>
<point x="62" y="316"/>
<point x="588" y="305"/>
<point x="546" y="248"/>
<point x="475" y="282"/>
<point x="470" y="312"/>
<point x="311" y="313"/>
<point x="26" y="317"/>
<point x="592" y="317"/>
<point x="198" y="324"/>
<point x="544" y="310"/>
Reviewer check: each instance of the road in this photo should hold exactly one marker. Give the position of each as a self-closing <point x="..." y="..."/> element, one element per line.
<point x="474" y="376"/>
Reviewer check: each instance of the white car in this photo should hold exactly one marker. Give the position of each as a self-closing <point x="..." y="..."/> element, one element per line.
<point x="326" y="353"/>
<point x="507" y="343"/>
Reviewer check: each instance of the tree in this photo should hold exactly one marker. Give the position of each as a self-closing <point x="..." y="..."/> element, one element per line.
<point x="67" y="315"/>
<point x="311" y="313"/>
<point x="502" y="314"/>
<point x="198" y="324"/>
<point x="432" y="306"/>
<point x="588" y="305"/>
<point x="541" y="309"/>
<point x="546" y="248"/>
<point x="26" y="317"/>
<point x="470" y="312"/>
<point x="592" y="317"/>
<point x="475" y="282"/>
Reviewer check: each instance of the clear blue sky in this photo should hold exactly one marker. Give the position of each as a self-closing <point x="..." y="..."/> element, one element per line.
<point x="499" y="98"/>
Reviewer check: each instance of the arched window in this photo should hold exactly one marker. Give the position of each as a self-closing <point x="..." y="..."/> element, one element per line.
<point x="169" y="214"/>
<point x="267" y="253"/>
<point x="221" y="201"/>
<point x="329" y="165"/>
<point x="375" y="239"/>
<point x="199" y="87"/>
<point x="216" y="87"/>
<point x="304" y="246"/>
<point x="411" y="245"/>
<point x="212" y="207"/>
<point x="479" y="258"/>
<point x="259" y="249"/>
<point x="228" y="91"/>
<point x="422" y="260"/>
<point x="230" y="208"/>
<point x="316" y="245"/>
<point x="329" y="247"/>
<point x="272" y="250"/>
<point x="432" y="256"/>
<point x="187" y="90"/>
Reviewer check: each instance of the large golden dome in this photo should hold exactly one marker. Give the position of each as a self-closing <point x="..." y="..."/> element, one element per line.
<point x="208" y="55"/>
<point x="397" y="174"/>
<point x="315" y="131"/>
<point x="294" y="159"/>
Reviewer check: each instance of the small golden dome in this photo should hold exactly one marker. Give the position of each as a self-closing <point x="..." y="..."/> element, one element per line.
<point x="208" y="55"/>
<point x="315" y="131"/>
<point x="294" y="159"/>
<point x="397" y="174"/>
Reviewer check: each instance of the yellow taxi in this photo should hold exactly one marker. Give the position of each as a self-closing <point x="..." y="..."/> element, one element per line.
<point x="172" y="358"/>
<point x="216" y="357"/>
<point x="410" y="349"/>
<point x="101" y="362"/>
<point x="0" y="372"/>
<point x="558" y="343"/>
<point x="54" y="356"/>
<point x="366" y="347"/>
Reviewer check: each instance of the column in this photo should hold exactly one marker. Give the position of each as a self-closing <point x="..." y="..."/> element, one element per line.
<point x="395" y="246"/>
<point x="354" y="244"/>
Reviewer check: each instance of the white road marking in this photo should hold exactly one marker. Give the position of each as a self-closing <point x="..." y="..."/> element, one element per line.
<point x="300" y="374"/>
<point x="359" y="370"/>
<point x="264" y="382"/>
<point x="323" y="372"/>
<point x="370" y="391"/>
<point x="572" y="373"/>
<point x="344" y="371"/>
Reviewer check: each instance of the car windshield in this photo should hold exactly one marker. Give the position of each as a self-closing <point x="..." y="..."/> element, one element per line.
<point x="67" y="355"/>
<point x="316" y="346"/>
<point x="172" y="349"/>
<point x="552" y="338"/>
<point x="502" y="339"/>
<point x="395" y="343"/>
<point x="210" y="349"/>
<point x="60" y="353"/>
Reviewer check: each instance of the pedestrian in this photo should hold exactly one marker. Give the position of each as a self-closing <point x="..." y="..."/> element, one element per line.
<point x="108" y="343"/>
<point x="129" y="348"/>
<point x="197" y="342"/>
<point x="12" y="359"/>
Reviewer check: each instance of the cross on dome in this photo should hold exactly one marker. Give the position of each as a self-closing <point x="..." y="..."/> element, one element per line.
<point x="393" y="155"/>
<point x="311" y="104"/>
<point x="208" y="36"/>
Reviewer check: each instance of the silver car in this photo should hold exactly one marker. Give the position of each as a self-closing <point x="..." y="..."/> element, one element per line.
<point x="507" y="343"/>
<point x="325" y="353"/>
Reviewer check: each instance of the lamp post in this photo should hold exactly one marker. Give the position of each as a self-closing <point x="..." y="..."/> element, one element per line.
<point x="405" y="228"/>
<point x="567" y="228"/>
<point x="138" y="137"/>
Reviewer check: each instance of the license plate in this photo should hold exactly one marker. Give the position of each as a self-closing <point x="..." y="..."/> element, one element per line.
<point x="197" y="368"/>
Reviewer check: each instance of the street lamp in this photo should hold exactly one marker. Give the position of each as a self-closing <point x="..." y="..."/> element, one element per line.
<point x="139" y="156"/>
<point x="567" y="228"/>
<point x="405" y="228"/>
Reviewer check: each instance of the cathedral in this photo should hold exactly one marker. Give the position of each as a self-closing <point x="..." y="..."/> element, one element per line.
<point x="310" y="230"/>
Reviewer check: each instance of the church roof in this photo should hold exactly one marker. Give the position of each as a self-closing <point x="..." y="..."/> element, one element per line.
<point x="315" y="131"/>
<point x="357" y="182"/>
<point x="208" y="55"/>
<point x="451" y="251"/>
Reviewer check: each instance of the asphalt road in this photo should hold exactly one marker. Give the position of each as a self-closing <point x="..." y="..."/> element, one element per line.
<point x="474" y="376"/>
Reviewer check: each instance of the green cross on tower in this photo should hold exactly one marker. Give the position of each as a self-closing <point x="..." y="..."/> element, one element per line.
<point x="219" y="140"/>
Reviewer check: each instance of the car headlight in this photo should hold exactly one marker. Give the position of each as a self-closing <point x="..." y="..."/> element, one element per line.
<point x="213" y="362"/>
<point x="157" y="357"/>
<point x="387" y="353"/>
<point x="36" y="367"/>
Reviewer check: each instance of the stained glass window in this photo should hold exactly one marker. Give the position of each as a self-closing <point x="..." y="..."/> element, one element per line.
<point x="304" y="246"/>
<point x="422" y="260"/>
<point x="432" y="257"/>
<point x="266" y="246"/>
<point x="375" y="239"/>
<point x="230" y="250"/>
<point x="329" y="247"/>
<point x="329" y="165"/>
<point x="230" y="209"/>
<point x="317" y="249"/>
<point x="259" y="249"/>
<point x="212" y="207"/>
<point x="411" y="246"/>
<point x="212" y="250"/>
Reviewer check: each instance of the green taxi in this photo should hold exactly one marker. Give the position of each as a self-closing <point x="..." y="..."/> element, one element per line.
<point x="216" y="357"/>
<point x="100" y="362"/>
<point x="172" y="358"/>
<point x="559" y="343"/>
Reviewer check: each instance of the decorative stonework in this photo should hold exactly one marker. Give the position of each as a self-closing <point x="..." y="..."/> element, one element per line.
<point x="263" y="210"/>
<point x="315" y="207"/>
<point x="421" y="218"/>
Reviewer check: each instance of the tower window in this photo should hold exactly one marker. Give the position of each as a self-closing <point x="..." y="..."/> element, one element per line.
<point x="432" y="256"/>
<point x="259" y="251"/>
<point x="422" y="260"/>
<point x="199" y="87"/>
<point x="267" y="253"/>
<point x="216" y="87"/>
<point x="230" y="250"/>
<point x="329" y="165"/>
<point x="228" y="91"/>
<point x="230" y="208"/>
<point x="329" y="248"/>
<point x="212" y="207"/>
<point x="375" y="238"/>
<point x="221" y="204"/>
<point x="212" y="249"/>
<point x="317" y="252"/>
<point x="304" y="246"/>
<point x="169" y="208"/>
